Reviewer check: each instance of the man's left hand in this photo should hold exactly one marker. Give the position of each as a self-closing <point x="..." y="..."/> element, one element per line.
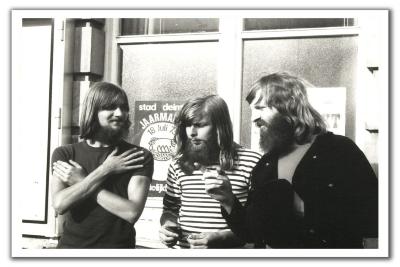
<point x="219" y="239"/>
<point x="70" y="173"/>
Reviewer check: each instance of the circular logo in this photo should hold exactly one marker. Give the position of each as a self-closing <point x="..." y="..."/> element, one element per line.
<point x="158" y="138"/>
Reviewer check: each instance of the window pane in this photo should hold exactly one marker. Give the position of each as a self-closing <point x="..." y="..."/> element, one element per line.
<point x="169" y="71"/>
<point x="294" y="23"/>
<point x="324" y="61"/>
<point x="168" y="25"/>
<point x="134" y="26"/>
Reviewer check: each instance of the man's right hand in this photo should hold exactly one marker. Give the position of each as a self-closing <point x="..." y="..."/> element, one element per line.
<point x="69" y="173"/>
<point x="219" y="187"/>
<point x="129" y="160"/>
<point x="169" y="234"/>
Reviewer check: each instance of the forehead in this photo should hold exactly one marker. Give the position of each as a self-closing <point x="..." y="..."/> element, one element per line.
<point x="259" y="99"/>
<point x="113" y="102"/>
<point x="201" y="117"/>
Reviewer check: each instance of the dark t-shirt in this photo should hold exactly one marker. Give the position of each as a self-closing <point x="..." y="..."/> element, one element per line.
<point x="87" y="224"/>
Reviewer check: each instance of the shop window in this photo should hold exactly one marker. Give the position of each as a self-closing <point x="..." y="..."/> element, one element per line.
<point x="146" y="26"/>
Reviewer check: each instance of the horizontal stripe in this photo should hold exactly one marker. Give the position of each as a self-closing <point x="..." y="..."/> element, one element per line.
<point x="198" y="212"/>
<point x="194" y="227"/>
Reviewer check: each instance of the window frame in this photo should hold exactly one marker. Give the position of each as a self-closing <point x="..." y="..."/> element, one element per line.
<point x="231" y="37"/>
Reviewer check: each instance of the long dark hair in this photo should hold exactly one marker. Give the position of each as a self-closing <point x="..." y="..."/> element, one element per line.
<point x="101" y="96"/>
<point x="288" y="94"/>
<point x="216" y="108"/>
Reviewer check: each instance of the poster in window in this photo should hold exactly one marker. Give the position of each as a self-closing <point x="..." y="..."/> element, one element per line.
<point x="330" y="102"/>
<point x="154" y="130"/>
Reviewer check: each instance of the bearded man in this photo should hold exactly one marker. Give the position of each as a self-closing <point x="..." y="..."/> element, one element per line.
<point x="205" y="149"/>
<point x="312" y="188"/>
<point x="101" y="183"/>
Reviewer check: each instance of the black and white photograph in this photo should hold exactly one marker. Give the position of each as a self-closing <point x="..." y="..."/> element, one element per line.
<point x="257" y="133"/>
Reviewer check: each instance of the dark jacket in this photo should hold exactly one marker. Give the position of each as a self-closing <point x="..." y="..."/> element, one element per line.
<point x="340" y="194"/>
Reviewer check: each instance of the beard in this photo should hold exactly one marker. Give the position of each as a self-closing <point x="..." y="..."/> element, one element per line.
<point x="276" y="136"/>
<point x="204" y="153"/>
<point x="113" y="136"/>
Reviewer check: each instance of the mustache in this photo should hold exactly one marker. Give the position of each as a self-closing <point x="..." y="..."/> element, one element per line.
<point x="117" y="119"/>
<point x="196" y="140"/>
<point x="260" y="122"/>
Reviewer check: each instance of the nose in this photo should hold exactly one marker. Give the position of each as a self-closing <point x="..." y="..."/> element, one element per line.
<point x="118" y="112"/>
<point x="255" y="115"/>
<point x="192" y="131"/>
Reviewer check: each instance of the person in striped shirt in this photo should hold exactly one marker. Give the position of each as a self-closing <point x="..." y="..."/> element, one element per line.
<point x="205" y="150"/>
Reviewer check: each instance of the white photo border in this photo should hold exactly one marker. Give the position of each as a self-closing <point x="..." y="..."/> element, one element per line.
<point x="382" y="251"/>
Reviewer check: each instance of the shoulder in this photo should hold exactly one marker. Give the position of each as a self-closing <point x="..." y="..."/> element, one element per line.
<point x="336" y="142"/>
<point x="65" y="152"/>
<point x="174" y="168"/>
<point x="126" y="146"/>
<point x="174" y="161"/>
<point x="148" y="162"/>
<point x="63" y="149"/>
<point x="174" y="165"/>
<point x="247" y="154"/>
<point x="338" y="149"/>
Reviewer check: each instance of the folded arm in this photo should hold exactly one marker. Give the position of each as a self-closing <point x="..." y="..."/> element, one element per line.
<point x="128" y="209"/>
<point x="70" y="183"/>
<point x="64" y="196"/>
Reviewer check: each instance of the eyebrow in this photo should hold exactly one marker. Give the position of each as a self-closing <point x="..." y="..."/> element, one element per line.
<point x="259" y="102"/>
<point x="201" y="120"/>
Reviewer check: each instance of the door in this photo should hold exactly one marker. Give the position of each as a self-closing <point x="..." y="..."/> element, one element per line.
<point x="40" y="92"/>
<point x="31" y="126"/>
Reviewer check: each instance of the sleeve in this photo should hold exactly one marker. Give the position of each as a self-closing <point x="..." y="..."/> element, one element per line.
<point x="267" y="216"/>
<point x="236" y="220"/>
<point x="172" y="197"/>
<point x="63" y="153"/>
<point x="148" y="165"/>
<point x="362" y="192"/>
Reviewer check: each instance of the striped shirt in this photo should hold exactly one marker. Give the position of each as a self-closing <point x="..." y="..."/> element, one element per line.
<point x="197" y="212"/>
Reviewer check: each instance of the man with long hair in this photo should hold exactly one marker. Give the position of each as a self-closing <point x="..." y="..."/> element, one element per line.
<point x="101" y="183"/>
<point x="205" y="149"/>
<point x="312" y="188"/>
